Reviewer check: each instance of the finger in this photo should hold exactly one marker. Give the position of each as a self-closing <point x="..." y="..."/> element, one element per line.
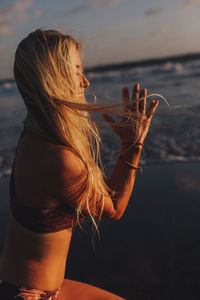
<point x="135" y="97"/>
<point x="125" y="97"/>
<point x="109" y="120"/>
<point x="152" y="108"/>
<point x="142" y="101"/>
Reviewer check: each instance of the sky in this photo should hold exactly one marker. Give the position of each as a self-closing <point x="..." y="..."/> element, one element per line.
<point x="111" y="31"/>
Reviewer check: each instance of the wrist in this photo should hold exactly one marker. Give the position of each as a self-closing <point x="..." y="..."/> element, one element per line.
<point x="134" y="147"/>
<point x="137" y="168"/>
<point x="131" y="154"/>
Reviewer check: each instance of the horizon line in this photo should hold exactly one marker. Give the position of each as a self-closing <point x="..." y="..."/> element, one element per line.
<point x="143" y="62"/>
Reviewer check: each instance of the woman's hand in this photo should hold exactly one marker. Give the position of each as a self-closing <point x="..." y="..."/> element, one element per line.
<point x="137" y="130"/>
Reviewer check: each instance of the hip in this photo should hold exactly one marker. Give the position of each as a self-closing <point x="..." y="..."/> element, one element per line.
<point x="10" y="291"/>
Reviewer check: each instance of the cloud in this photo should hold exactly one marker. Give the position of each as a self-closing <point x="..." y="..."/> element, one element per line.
<point x="79" y="9"/>
<point x="153" y="11"/>
<point x="37" y="13"/>
<point x="90" y="4"/>
<point x="159" y="33"/>
<point x="188" y="3"/>
<point x="13" y="14"/>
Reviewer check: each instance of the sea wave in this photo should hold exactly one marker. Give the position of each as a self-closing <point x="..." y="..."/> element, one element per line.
<point x="169" y="70"/>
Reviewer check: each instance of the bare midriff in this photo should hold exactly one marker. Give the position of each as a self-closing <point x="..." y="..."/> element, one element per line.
<point x="35" y="260"/>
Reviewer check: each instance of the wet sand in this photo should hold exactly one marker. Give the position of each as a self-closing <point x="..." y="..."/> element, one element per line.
<point x="153" y="252"/>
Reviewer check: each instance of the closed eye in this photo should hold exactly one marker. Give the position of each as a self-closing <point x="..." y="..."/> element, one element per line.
<point x="79" y="67"/>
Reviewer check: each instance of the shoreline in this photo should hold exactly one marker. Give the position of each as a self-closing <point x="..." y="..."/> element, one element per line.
<point x="7" y="172"/>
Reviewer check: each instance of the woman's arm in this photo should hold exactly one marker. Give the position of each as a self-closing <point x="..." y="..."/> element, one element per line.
<point x="122" y="181"/>
<point x="122" y="178"/>
<point x="70" y="174"/>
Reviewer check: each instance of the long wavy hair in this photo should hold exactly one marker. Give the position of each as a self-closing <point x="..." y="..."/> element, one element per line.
<point x="47" y="82"/>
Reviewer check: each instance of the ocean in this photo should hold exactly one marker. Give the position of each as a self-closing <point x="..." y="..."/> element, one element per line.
<point x="174" y="134"/>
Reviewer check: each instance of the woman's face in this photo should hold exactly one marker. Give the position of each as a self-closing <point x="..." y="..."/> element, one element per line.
<point x="82" y="81"/>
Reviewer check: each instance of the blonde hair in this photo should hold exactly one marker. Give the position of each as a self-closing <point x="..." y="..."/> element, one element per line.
<point x="47" y="82"/>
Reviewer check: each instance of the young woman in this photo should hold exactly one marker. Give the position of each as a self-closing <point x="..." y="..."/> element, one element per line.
<point x="56" y="181"/>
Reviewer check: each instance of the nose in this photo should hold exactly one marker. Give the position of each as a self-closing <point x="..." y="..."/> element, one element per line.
<point x="86" y="83"/>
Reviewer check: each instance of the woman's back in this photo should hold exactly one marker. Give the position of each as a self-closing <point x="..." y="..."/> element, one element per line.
<point x="32" y="258"/>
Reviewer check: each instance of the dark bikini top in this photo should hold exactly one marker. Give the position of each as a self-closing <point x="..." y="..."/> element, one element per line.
<point x="37" y="219"/>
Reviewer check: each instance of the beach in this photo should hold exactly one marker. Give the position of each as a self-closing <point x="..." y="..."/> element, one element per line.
<point x="153" y="251"/>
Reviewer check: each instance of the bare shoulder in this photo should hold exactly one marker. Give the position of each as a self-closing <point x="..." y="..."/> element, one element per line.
<point x="45" y="171"/>
<point x="71" y="184"/>
<point x="68" y="164"/>
<point x="68" y="176"/>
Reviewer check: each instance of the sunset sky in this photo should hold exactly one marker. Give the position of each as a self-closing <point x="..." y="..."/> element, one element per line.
<point x="110" y="30"/>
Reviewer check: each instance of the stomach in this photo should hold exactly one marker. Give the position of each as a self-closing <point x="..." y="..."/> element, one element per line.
<point x="35" y="260"/>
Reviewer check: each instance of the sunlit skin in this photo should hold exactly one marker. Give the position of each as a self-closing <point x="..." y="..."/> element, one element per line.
<point x="39" y="260"/>
<point x="82" y="82"/>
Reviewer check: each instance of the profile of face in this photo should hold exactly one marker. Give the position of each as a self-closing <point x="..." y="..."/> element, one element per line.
<point x="53" y="62"/>
<point x="82" y="81"/>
